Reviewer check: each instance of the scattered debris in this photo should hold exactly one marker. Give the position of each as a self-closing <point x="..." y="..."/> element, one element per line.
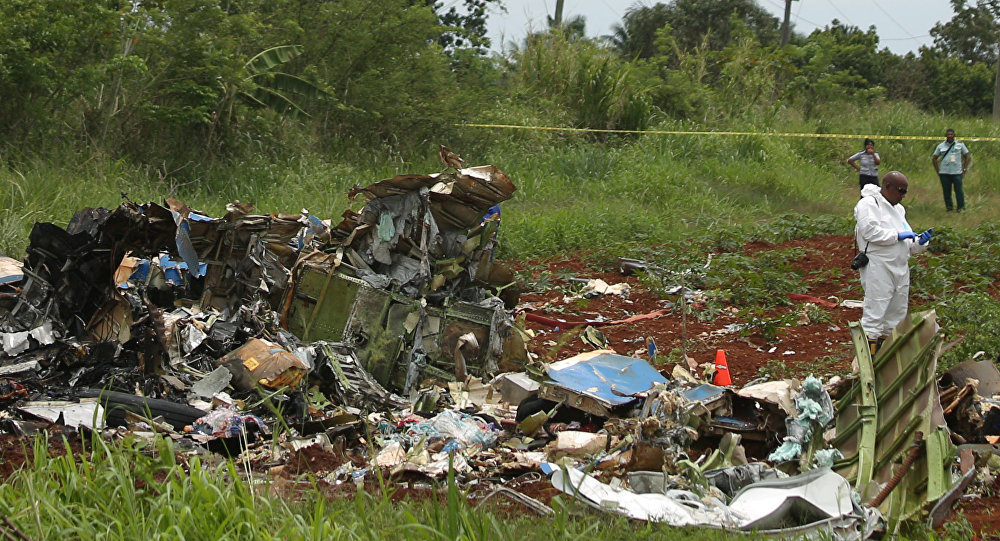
<point x="374" y="338"/>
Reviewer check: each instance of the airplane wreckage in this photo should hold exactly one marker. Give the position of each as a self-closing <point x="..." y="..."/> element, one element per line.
<point x="398" y="322"/>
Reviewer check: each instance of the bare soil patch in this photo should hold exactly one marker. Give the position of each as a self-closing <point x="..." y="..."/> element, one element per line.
<point x="819" y="348"/>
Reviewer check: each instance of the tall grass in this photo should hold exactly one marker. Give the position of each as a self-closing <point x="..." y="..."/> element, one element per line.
<point x="573" y="192"/>
<point x="140" y="490"/>
<point x="601" y="90"/>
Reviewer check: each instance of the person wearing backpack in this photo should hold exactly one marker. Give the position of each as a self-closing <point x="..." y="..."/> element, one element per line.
<point x="951" y="161"/>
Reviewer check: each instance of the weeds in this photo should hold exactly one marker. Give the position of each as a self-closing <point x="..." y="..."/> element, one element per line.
<point x="816" y="314"/>
<point x="767" y="328"/>
<point x="797" y="226"/>
<point x="773" y="370"/>
<point x="713" y="305"/>
<point x="959" y="528"/>
<point x="955" y="278"/>
<point x="137" y="489"/>
<point x="975" y="317"/>
<point x="759" y="281"/>
<point x="828" y="366"/>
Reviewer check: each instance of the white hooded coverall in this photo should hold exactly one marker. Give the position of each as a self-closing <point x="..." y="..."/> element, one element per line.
<point x="886" y="277"/>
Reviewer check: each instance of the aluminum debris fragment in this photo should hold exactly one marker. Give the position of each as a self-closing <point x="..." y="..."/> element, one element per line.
<point x="213" y="383"/>
<point x="87" y="414"/>
<point x="599" y="381"/>
<point x="895" y="397"/>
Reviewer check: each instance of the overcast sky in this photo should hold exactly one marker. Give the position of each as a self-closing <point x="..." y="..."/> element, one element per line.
<point x="902" y="25"/>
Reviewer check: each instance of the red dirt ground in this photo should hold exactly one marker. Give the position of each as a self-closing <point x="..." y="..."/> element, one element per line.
<point x="980" y="514"/>
<point x="796" y="351"/>
<point x="16" y="451"/>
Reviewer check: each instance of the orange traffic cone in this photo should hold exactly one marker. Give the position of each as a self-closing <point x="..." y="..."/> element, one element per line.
<point x="721" y="376"/>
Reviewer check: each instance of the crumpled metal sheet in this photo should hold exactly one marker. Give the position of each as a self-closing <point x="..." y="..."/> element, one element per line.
<point x="985" y="373"/>
<point x="778" y="503"/>
<point x="877" y="421"/>
<point x="814" y="505"/>
<point x="99" y="284"/>
<point x="968" y="394"/>
<point x="400" y="237"/>
<point x="681" y="508"/>
<point x="343" y="378"/>
<point x="422" y="230"/>
<point x="599" y="381"/>
<point x="404" y="292"/>
<point x="89" y="414"/>
<point x="779" y="393"/>
<point x="476" y="188"/>
<point x="18" y="342"/>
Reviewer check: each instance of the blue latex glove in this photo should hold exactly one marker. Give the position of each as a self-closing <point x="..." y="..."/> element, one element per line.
<point x="903" y="235"/>
<point x="925" y="236"/>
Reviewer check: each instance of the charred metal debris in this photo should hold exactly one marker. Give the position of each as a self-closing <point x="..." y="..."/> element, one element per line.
<point x="390" y="339"/>
<point x="171" y="304"/>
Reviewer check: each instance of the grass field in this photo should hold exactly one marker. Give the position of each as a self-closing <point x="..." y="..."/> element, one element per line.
<point x="573" y="192"/>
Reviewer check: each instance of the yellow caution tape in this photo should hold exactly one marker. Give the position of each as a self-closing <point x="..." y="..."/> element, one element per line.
<point x="750" y="133"/>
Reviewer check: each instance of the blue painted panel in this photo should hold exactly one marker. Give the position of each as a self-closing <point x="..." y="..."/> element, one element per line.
<point x="139" y="274"/>
<point x="172" y="270"/>
<point x="609" y="377"/>
<point x="704" y="393"/>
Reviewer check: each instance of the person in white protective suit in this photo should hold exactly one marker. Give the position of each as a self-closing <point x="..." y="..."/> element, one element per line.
<point x="884" y="235"/>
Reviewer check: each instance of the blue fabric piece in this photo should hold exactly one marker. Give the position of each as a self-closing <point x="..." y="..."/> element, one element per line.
<point x="491" y="212"/>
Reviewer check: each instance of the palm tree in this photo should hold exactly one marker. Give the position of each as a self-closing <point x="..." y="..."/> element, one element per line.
<point x="263" y="86"/>
<point x="636" y="36"/>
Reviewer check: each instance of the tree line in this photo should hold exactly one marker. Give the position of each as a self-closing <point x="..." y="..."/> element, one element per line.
<point x="170" y="81"/>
